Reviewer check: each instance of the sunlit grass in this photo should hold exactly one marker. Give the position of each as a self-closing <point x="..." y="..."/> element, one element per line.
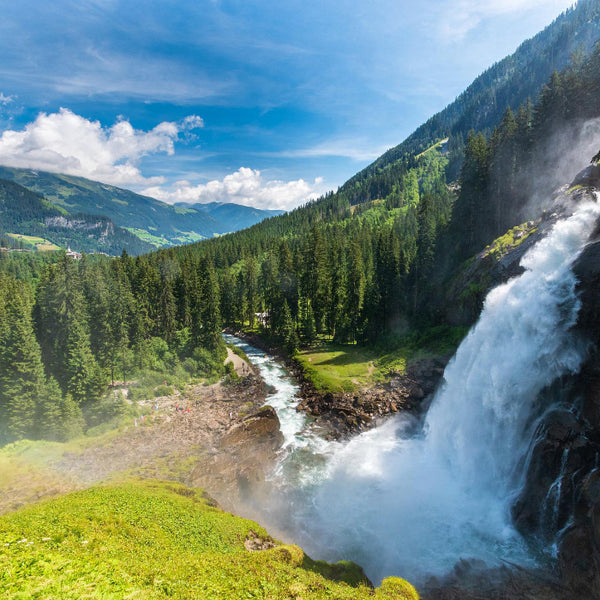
<point x="156" y="539"/>
<point x="345" y="368"/>
<point x="40" y="243"/>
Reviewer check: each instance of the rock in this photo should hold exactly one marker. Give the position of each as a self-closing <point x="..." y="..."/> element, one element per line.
<point x="578" y="563"/>
<point x="561" y="425"/>
<point x="255" y="543"/>
<point x="261" y="428"/>
<point x="343" y="415"/>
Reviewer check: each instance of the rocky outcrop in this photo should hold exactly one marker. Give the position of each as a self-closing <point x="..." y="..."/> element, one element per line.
<point x="344" y="414"/>
<point x="237" y="468"/>
<point x="559" y="504"/>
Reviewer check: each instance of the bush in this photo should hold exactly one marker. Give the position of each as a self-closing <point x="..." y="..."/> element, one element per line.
<point x="395" y="588"/>
<point x="163" y="390"/>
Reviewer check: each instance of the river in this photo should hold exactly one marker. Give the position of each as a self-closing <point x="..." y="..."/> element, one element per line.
<point x="413" y="505"/>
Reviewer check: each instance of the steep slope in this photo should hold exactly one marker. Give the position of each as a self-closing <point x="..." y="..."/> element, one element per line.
<point x="508" y="83"/>
<point x="26" y="213"/>
<point x="162" y="540"/>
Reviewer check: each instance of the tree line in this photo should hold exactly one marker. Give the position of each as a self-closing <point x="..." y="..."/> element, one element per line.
<point x="69" y="328"/>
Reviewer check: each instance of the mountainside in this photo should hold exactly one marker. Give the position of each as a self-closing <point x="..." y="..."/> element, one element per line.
<point x="232" y="216"/>
<point x="508" y="83"/>
<point x="32" y="220"/>
<point x="151" y="221"/>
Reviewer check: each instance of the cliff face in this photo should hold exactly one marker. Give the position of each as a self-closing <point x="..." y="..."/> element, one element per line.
<point x="559" y="503"/>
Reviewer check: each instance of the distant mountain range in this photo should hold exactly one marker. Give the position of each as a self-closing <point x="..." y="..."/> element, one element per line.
<point x="94" y="216"/>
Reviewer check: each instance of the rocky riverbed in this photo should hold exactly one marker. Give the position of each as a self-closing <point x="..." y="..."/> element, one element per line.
<point x="340" y="415"/>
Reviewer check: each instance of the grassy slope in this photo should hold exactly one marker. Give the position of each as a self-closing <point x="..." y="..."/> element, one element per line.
<point x="40" y="243"/>
<point x="151" y="539"/>
<point x="345" y="368"/>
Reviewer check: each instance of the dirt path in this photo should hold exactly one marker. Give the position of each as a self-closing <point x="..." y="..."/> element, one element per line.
<point x="242" y="368"/>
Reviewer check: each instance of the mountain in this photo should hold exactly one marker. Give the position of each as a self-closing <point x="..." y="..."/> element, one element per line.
<point x="508" y="83"/>
<point x="232" y="216"/>
<point x="154" y="222"/>
<point x="374" y="258"/>
<point x="28" y="219"/>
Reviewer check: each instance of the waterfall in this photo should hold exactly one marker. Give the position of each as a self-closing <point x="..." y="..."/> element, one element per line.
<point x="413" y="506"/>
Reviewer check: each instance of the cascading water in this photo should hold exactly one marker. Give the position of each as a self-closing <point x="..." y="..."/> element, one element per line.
<point x="413" y="506"/>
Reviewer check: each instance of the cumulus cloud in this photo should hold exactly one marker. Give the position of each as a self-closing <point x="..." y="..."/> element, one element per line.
<point x="245" y="186"/>
<point x="65" y="142"/>
<point x="461" y="16"/>
<point x="192" y="122"/>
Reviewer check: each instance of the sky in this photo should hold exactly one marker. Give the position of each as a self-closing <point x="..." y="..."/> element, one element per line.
<point x="262" y="103"/>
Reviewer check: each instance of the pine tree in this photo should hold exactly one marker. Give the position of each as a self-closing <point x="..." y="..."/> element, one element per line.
<point x="22" y="378"/>
<point x="288" y="331"/>
<point x="209" y="334"/>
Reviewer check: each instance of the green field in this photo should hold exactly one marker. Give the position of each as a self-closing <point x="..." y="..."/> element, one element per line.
<point x="155" y="240"/>
<point x="40" y="243"/>
<point x="153" y="539"/>
<point x="332" y="367"/>
<point x="345" y="368"/>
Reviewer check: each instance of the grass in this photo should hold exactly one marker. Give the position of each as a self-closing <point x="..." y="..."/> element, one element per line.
<point x="510" y="240"/>
<point x="40" y="243"/>
<point x="188" y="237"/>
<point x="435" y="146"/>
<point x="346" y="368"/>
<point x="338" y="368"/>
<point x="152" y="540"/>
<point x="145" y="236"/>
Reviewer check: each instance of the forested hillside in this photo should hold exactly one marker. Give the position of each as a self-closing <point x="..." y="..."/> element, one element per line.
<point x="508" y="83"/>
<point x="359" y="272"/>
<point x="149" y="222"/>
<point x="26" y="216"/>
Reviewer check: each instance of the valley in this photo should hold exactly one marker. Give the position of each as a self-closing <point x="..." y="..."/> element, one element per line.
<point x="212" y="395"/>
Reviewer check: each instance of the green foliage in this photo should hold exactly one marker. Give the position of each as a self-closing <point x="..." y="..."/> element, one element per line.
<point x="510" y="240"/>
<point x="395" y="588"/>
<point x="93" y="216"/>
<point x="157" y="540"/>
<point x="163" y="390"/>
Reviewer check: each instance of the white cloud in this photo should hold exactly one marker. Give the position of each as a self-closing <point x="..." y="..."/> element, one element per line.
<point x="6" y="99"/>
<point x="65" y="142"/>
<point x="461" y="16"/>
<point x="192" y="122"/>
<point x="245" y="186"/>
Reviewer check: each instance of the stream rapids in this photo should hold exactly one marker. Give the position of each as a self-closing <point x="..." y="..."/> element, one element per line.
<point x="412" y="505"/>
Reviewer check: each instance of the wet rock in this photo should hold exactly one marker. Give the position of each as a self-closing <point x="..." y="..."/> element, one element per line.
<point x="578" y="562"/>
<point x="262" y="428"/>
<point x="561" y="425"/>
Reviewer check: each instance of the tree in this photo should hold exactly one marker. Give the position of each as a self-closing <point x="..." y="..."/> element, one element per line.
<point x="209" y="317"/>
<point x="288" y="331"/>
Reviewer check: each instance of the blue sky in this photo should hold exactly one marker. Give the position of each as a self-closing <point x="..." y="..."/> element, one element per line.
<point x="263" y="103"/>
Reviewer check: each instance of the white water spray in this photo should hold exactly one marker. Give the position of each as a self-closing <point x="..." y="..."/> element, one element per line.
<point x="400" y="505"/>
